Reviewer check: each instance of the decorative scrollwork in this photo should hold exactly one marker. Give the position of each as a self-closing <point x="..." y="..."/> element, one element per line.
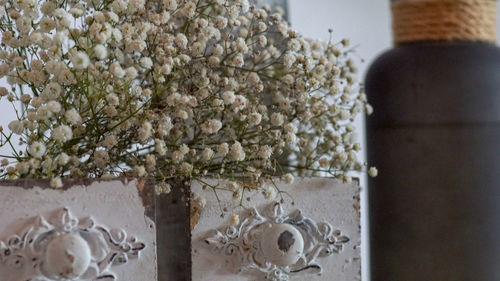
<point x="278" y="244"/>
<point x="66" y="248"/>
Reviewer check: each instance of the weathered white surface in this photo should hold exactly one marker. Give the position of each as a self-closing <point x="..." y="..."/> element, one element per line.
<point x="112" y="205"/>
<point x="321" y="200"/>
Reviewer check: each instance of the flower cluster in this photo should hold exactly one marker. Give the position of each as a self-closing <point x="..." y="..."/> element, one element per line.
<point x="174" y="88"/>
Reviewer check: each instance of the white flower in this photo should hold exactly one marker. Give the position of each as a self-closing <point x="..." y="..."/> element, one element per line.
<point x="277" y="119"/>
<point x="290" y="127"/>
<point x="372" y="172"/>
<point x="43" y="113"/>
<point x="131" y="72"/>
<point x="37" y="149"/>
<point x="177" y="156"/>
<point x="221" y="22"/>
<point x="269" y="192"/>
<point x="228" y="97"/>
<point x="54" y="106"/>
<point x="112" y="99"/>
<point x="294" y="45"/>
<point x="110" y="141"/>
<point x="323" y="162"/>
<point x="207" y="154"/>
<point x="51" y="91"/>
<point x="265" y="152"/>
<point x="62" y="133"/>
<point x="145" y="131"/>
<point x="185" y="168"/>
<point x="22" y="167"/>
<point x="170" y="4"/>
<point x="238" y="60"/>
<point x="160" y="147"/>
<point x="233" y="186"/>
<point x="244" y="5"/>
<point x="36" y="38"/>
<point x="223" y="149"/>
<point x="62" y="159"/>
<point x="211" y="126"/>
<point x="140" y="171"/>
<point x="146" y="62"/>
<point x="240" y="45"/>
<point x="290" y="137"/>
<point x="288" y="60"/>
<point x="163" y="188"/>
<point x="100" y="52"/>
<point x="240" y="102"/>
<point x="368" y="109"/>
<point x="16" y="127"/>
<point x="80" y="60"/>
<point x="56" y="182"/>
<point x="101" y="158"/>
<point x="182" y="114"/>
<point x="255" y="118"/>
<point x="237" y="152"/>
<point x="73" y="117"/>
<point x="289" y="178"/>
<point x="165" y="126"/>
<point x="117" y="70"/>
<point x="181" y="41"/>
<point x="189" y="9"/>
<point x="23" y="24"/>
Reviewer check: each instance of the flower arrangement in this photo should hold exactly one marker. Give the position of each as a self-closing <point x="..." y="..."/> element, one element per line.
<point x="174" y="88"/>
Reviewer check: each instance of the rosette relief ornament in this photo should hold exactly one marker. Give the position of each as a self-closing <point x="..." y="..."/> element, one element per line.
<point x="63" y="247"/>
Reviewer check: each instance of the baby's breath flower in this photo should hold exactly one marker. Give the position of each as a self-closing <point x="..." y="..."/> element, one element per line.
<point x="63" y="159"/>
<point x="80" y="60"/>
<point x="207" y="154"/>
<point x="265" y="152"/>
<point x="237" y="152"/>
<point x="100" y="51"/>
<point x="170" y="88"/>
<point x="185" y="168"/>
<point x="223" y="149"/>
<point x="56" y="182"/>
<point x="289" y="178"/>
<point x="37" y="149"/>
<point x="211" y="126"/>
<point x="16" y="127"/>
<point x="62" y="133"/>
<point x="73" y="117"/>
<point x="162" y="188"/>
<point x="228" y="97"/>
<point x="372" y="172"/>
<point x="269" y="192"/>
<point x="277" y="119"/>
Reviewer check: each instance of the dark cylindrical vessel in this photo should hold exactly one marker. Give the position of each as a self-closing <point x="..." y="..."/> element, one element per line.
<point x="435" y="139"/>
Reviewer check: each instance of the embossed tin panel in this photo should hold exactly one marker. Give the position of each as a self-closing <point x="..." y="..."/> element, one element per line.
<point x="102" y="230"/>
<point x="317" y="238"/>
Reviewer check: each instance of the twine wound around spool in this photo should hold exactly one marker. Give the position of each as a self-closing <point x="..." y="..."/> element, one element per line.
<point x="444" y="20"/>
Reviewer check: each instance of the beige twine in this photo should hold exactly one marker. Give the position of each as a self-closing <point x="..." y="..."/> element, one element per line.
<point x="424" y="20"/>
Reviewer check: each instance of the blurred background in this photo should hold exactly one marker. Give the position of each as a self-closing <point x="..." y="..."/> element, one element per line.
<point x="367" y="23"/>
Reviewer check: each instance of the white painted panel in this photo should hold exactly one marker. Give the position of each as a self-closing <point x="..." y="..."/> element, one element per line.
<point x="112" y="205"/>
<point x="320" y="200"/>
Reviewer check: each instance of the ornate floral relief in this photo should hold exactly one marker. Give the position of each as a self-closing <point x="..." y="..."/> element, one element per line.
<point x="278" y="244"/>
<point x="66" y="248"/>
